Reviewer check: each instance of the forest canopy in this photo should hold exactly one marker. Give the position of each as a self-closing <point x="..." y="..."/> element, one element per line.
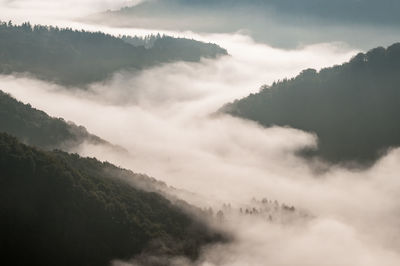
<point x="77" y="58"/>
<point x="35" y="127"/>
<point x="61" y="209"/>
<point x="353" y="108"/>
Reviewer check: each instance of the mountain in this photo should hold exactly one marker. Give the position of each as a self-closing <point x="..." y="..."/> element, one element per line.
<point x="352" y="10"/>
<point x="283" y="23"/>
<point x="61" y="209"/>
<point x="35" y="127"/>
<point x="77" y="58"/>
<point x="353" y="108"/>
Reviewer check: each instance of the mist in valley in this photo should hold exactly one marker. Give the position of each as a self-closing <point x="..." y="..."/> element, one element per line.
<point x="165" y="117"/>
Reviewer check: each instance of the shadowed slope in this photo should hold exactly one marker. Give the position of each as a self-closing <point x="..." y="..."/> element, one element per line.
<point x="77" y="58"/>
<point x="60" y="209"/>
<point x="353" y="108"/>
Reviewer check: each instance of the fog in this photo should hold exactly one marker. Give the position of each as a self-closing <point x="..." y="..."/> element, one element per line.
<point x="165" y="117"/>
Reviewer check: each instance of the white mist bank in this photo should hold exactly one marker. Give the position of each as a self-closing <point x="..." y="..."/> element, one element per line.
<point x="163" y="117"/>
<point x="47" y="11"/>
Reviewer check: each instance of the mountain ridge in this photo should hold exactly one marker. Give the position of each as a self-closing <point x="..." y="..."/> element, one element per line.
<point x="352" y="107"/>
<point x="35" y="127"/>
<point x="78" y="58"/>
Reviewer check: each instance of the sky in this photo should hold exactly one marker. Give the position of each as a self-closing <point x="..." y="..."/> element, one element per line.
<point x="45" y="11"/>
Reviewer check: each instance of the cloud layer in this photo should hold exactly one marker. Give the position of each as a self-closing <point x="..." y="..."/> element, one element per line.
<point x="164" y="117"/>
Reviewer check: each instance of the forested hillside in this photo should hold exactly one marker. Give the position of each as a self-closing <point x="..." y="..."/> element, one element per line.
<point x="60" y="209"/>
<point x="353" y="108"/>
<point x="35" y="127"/>
<point x="77" y="58"/>
<point x="169" y="48"/>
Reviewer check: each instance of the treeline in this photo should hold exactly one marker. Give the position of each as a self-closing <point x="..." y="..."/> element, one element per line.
<point x="179" y="49"/>
<point x="353" y="108"/>
<point x="35" y="127"/>
<point x="146" y="41"/>
<point x="60" y="209"/>
<point x="77" y="58"/>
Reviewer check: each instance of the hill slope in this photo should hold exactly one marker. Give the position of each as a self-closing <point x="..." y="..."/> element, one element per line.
<point x="353" y="108"/>
<point x="77" y="58"/>
<point x="35" y="127"/>
<point x="60" y="209"/>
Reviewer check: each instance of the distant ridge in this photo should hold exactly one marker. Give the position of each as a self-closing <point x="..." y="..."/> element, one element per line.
<point x="280" y="23"/>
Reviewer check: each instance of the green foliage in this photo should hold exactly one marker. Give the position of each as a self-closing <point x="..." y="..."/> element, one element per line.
<point x="36" y="128"/>
<point x="77" y="58"/>
<point x="60" y="209"/>
<point x="353" y="108"/>
<point x="166" y="48"/>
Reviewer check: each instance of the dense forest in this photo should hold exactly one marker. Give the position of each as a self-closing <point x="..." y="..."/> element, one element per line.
<point x="353" y="108"/>
<point x="169" y="48"/>
<point x="60" y="209"/>
<point x="35" y="127"/>
<point x="77" y="58"/>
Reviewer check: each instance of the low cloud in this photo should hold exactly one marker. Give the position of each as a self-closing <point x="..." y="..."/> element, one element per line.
<point x="163" y="117"/>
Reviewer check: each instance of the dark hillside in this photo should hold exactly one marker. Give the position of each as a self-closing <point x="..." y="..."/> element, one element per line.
<point x="353" y="108"/>
<point x="77" y="58"/>
<point x="60" y="209"/>
<point x="35" y="127"/>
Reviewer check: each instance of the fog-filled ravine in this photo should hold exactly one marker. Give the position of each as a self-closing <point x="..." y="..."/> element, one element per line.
<point x="247" y="181"/>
